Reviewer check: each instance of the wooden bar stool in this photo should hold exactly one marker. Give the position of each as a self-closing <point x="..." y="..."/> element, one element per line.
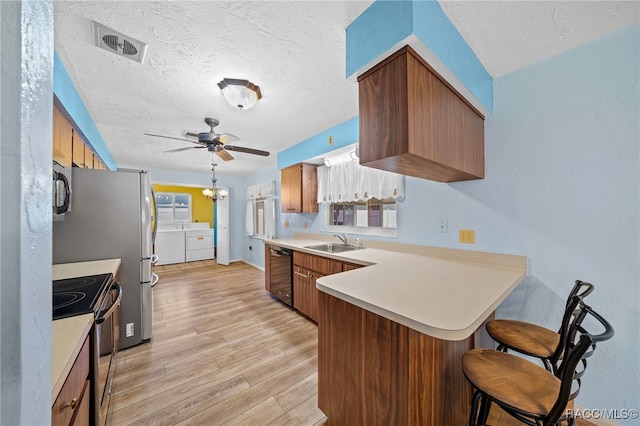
<point x="525" y="390"/>
<point x="534" y="340"/>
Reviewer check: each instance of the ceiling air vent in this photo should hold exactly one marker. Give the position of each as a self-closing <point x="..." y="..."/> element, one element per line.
<point x="118" y="43"/>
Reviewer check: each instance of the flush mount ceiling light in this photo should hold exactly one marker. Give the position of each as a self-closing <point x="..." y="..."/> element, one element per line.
<point x="241" y="94"/>
<point x="214" y="194"/>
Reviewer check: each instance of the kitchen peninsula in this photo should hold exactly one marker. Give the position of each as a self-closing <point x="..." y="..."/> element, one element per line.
<point x="391" y="334"/>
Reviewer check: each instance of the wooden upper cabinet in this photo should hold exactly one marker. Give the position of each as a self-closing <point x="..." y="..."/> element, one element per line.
<point x="69" y="147"/>
<point x="299" y="184"/>
<point x="414" y="123"/>
<point x="62" y="138"/>
<point x="78" y="151"/>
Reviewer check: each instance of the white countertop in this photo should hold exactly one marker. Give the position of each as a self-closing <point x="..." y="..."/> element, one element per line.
<point x="444" y="298"/>
<point x="67" y="337"/>
<point x="68" y="334"/>
<point x="62" y="271"/>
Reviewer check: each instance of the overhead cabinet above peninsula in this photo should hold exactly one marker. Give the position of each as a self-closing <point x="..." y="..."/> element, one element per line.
<point x="414" y="123"/>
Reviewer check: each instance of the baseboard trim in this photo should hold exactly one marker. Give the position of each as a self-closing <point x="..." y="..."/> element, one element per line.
<point x="252" y="264"/>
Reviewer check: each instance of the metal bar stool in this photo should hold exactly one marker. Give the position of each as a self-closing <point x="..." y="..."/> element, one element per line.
<point x="534" y="340"/>
<point x="525" y="390"/>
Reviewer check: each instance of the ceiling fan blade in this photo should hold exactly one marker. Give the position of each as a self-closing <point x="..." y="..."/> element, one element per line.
<point x="247" y="150"/>
<point x="224" y="155"/>
<point x="170" y="137"/>
<point x="184" y="149"/>
<point x="227" y="138"/>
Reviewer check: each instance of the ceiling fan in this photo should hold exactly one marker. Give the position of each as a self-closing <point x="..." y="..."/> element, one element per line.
<point x="214" y="142"/>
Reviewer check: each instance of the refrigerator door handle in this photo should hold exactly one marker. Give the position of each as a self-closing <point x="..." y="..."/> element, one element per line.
<point x="155" y="278"/>
<point x="154" y="219"/>
<point x="145" y="215"/>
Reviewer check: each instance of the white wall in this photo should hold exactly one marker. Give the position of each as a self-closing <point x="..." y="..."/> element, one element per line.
<point x="26" y="40"/>
<point x="562" y="187"/>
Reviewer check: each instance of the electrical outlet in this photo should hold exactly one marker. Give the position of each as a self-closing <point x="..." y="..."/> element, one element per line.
<point x="129" y="329"/>
<point x="330" y="140"/>
<point x="286" y="223"/>
<point x="467" y="236"/>
<point x="305" y="225"/>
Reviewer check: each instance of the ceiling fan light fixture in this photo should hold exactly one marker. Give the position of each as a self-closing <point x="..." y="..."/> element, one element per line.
<point x="241" y="94"/>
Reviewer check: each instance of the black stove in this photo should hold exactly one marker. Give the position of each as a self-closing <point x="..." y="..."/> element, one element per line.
<point x="78" y="296"/>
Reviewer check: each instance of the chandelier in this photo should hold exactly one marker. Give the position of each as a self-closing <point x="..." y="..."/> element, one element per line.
<point x="214" y="194"/>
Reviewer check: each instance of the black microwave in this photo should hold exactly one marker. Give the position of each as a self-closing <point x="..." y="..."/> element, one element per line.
<point x="61" y="191"/>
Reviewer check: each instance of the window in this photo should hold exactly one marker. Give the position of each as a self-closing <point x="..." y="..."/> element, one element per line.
<point x="261" y="210"/>
<point x="173" y="207"/>
<point x="360" y="200"/>
<point x="373" y="213"/>
<point x="259" y="216"/>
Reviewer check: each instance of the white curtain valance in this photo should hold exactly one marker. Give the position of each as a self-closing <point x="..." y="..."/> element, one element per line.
<point x="350" y="182"/>
<point x="262" y="190"/>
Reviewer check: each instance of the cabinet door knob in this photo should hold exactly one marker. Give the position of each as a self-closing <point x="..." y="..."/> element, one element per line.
<point x="71" y="404"/>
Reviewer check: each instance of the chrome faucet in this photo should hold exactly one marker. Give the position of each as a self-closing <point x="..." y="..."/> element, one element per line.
<point x="342" y="238"/>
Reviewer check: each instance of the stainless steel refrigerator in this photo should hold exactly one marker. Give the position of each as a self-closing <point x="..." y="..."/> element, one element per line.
<point x="111" y="218"/>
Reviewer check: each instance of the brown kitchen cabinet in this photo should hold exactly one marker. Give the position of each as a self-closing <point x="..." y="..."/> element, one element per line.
<point x="307" y="268"/>
<point x="414" y="123"/>
<point x="305" y="293"/>
<point x="69" y="147"/>
<point x="72" y="406"/>
<point x="62" y="139"/>
<point x="299" y="186"/>
<point x="350" y="266"/>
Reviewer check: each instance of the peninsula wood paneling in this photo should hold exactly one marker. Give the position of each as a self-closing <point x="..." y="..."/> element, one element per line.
<point x="372" y="370"/>
<point x="414" y="123"/>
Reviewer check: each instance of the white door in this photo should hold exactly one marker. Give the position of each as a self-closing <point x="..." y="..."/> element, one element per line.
<point x="222" y="227"/>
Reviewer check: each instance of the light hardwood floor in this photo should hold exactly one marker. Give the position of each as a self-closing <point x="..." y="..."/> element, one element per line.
<point x="223" y="352"/>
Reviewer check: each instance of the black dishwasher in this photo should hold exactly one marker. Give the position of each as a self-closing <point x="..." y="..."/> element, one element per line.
<point x="280" y="274"/>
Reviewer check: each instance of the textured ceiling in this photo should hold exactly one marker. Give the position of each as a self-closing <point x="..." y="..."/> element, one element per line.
<point x="295" y="52"/>
<point x="508" y="35"/>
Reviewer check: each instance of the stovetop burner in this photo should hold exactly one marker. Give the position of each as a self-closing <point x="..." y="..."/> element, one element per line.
<point x="77" y="296"/>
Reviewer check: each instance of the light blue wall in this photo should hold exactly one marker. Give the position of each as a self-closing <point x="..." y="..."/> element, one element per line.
<point x="343" y="134"/>
<point x="562" y="187"/>
<point x="386" y="23"/>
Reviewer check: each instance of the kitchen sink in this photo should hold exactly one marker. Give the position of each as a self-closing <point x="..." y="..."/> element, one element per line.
<point x="333" y="247"/>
